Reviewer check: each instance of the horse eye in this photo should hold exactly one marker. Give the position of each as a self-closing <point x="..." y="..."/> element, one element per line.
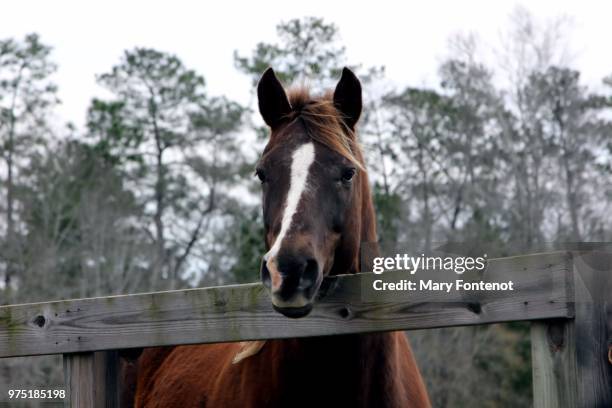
<point x="260" y="174"/>
<point x="347" y="174"/>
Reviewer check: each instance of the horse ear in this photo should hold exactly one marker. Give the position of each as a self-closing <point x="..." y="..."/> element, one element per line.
<point x="347" y="97"/>
<point x="273" y="102"/>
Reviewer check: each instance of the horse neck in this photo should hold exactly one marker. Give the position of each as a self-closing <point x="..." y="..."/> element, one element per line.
<point x="358" y="369"/>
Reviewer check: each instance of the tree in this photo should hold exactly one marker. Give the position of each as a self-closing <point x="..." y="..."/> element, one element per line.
<point x="80" y="218"/>
<point x="308" y="50"/>
<point x="27" y="96"/>
<point x="175" y="143"/>
<point x="419" y="119"/>
<point x="530" y="49"/>
<point x="569" y="123"/>
<point x="474" y="162"/>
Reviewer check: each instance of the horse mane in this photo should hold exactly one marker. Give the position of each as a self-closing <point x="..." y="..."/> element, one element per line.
<point x="324" y="124"/>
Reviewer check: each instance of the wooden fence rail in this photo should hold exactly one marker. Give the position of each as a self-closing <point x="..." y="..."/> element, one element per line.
<point x="561" y="291"/>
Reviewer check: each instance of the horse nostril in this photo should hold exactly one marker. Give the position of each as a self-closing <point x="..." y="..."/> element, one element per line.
<point x="265" y="275"/>
<point x="309" y="275"/>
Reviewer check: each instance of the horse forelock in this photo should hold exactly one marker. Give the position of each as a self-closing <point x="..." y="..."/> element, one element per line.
<point x="323" y="123"/>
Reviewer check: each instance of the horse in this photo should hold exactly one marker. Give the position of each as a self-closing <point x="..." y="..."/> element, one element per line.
<point x="317" y="212"/>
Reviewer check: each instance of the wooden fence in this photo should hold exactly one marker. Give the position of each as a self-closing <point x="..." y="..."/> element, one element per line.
<point x="565" y="295"/>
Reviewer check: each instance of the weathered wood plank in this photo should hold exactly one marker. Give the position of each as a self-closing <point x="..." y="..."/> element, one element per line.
<point x="91" y="379"/>
<point x="244" y="312"/>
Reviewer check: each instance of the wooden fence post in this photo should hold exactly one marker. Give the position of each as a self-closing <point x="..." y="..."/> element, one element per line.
<point x="569" y="356"/>
<point x="91" y="379"/>
<point x="553" y="347"/>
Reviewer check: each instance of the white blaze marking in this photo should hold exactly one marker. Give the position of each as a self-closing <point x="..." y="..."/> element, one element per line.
<point x="302" y="158"/>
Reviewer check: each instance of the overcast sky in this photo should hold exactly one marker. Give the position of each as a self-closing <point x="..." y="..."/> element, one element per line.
<point x="409" y="38"/>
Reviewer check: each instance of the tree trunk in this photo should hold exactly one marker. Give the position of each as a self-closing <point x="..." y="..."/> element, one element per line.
<point x="160" y="257"/>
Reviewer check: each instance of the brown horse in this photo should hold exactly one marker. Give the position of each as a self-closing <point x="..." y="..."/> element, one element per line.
<point x="317" y="211"/>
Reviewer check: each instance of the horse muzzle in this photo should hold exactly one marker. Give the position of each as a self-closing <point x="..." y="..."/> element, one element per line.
<point x="292" y="283"/>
